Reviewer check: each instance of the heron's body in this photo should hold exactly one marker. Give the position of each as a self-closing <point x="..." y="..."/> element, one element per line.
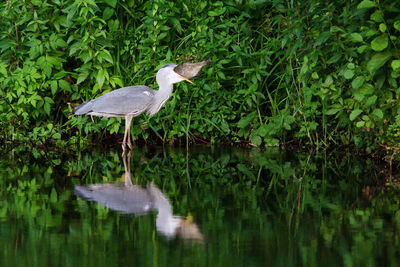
<point x="132" y="101"/>
<point x="132" y="199"/>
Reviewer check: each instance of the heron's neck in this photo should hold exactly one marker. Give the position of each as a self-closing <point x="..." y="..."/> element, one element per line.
<point x="166" y="222"/>
<point x="161" y="96"/>
<point x="164" y="91"/>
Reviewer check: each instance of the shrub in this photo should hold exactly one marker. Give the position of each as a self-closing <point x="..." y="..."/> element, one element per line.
<point x="315" y="73"/>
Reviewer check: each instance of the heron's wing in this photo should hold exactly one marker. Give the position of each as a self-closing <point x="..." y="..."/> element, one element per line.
<point x="128" y="100"/>
<point x="132" y="199"/>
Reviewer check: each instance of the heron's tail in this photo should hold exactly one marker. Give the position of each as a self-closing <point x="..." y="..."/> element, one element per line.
<point x="83" y="191"/>
<point x="83" y="108"/>
<point x="208" y="61"/>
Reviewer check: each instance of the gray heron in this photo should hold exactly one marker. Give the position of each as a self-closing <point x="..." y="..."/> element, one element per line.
<point x="132" y="101"/>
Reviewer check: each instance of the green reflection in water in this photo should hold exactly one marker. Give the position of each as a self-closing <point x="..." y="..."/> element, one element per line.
<point x="253" y="208"/>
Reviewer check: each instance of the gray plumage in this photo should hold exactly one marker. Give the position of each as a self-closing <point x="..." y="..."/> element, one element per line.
<point x="132" y="100"/>
<point x="129" y="198"/>
<point x="133" y="199"/>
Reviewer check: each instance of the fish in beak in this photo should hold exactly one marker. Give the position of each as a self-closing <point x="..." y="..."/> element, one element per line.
<point x="189" y="70"/>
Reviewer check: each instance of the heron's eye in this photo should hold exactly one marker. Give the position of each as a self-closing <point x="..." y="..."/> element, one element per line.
<point x="166" y="65"/>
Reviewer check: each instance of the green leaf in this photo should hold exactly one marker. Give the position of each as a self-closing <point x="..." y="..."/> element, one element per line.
<point x="106" y="55"/>
<point x="55" y="61"/>
<point x="360" y="124"/>
<point x="49" y="100"/>
<point x="358" y="96"/>
<point x="358" y="82"/>
<point x="64" y="85"/>
<point x="396" y="65"/>
<point x="162" y="35"/>
<point x="263" y="130"/>
<point x="377" y="113"/>
<point x="107" y="13"/>
<point x="176" y="24"/>
<point x="53" y="196"/>
<point x="370" y="101"/>
<point x="100" y="77"/>
<point x="378" y="61"/>
<point x="332" y="111"/>
<point x="365" y="118"/>
<point x="221" y="75"/>
<point x="225" y="126"/>
<point x="382" y="27"/>
<point x="111" y="3"/>
<point x="60" y="75"/>
<point x="61" y="43"/>
<point x="255" y="140"/>
<point x="86" y="56"/>
<point x="396" y="25"/>
<point x="53" y="86"/>
<point x="362" y="48"/>
<point x="356" y="37"/>
<point x="367" y="89"/>
<point x="245" y="170"/>
<point x="217" y="12"/>
<point x="348" y="74"/>
<point x="82" y="76"/>
<point x="377" y="16"/>
<point x="354" y="114"/>
<point x="328" y="81"/>
<point x="335" y="28"/>
<point x="47" y="70"/>
<point x="366" y="4"/>
<point x="46" y="108"/>
<point x="335" y="58"/>
<point x="3" y="69"/>
<point x="380" y="43"/>
<point x="244" y="122"/>
<point x="116" y="81"/>
<point x="57" y="136"/>
<point x="6" y="44"/>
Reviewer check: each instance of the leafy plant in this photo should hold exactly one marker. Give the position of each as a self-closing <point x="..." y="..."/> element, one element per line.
<point x="315" y="73"/>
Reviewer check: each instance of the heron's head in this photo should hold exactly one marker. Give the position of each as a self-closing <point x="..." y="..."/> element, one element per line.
<point x="166" y="74"/>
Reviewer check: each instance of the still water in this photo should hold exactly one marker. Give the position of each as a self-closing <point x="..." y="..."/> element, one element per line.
<point x="207" y="206"/>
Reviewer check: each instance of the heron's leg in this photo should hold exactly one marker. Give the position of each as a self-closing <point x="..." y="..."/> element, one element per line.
<point x="129" y="135"/>
<point x="124" y="141"/>
<point x="128" y="120"/>
<point x="125" y="158"/>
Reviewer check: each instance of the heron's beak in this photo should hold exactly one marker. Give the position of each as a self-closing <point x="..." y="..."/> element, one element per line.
<point x="186" y="79"/>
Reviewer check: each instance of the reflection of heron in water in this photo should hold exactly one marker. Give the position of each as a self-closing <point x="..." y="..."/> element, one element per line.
<point x="129" y="198"/>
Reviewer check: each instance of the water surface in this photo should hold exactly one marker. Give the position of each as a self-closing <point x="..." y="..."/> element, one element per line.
<point x="249" y="208"/>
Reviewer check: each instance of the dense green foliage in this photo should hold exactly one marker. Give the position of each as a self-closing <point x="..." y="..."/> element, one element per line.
<point x="252" y="207"/>
<point x="314" y="72"/>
